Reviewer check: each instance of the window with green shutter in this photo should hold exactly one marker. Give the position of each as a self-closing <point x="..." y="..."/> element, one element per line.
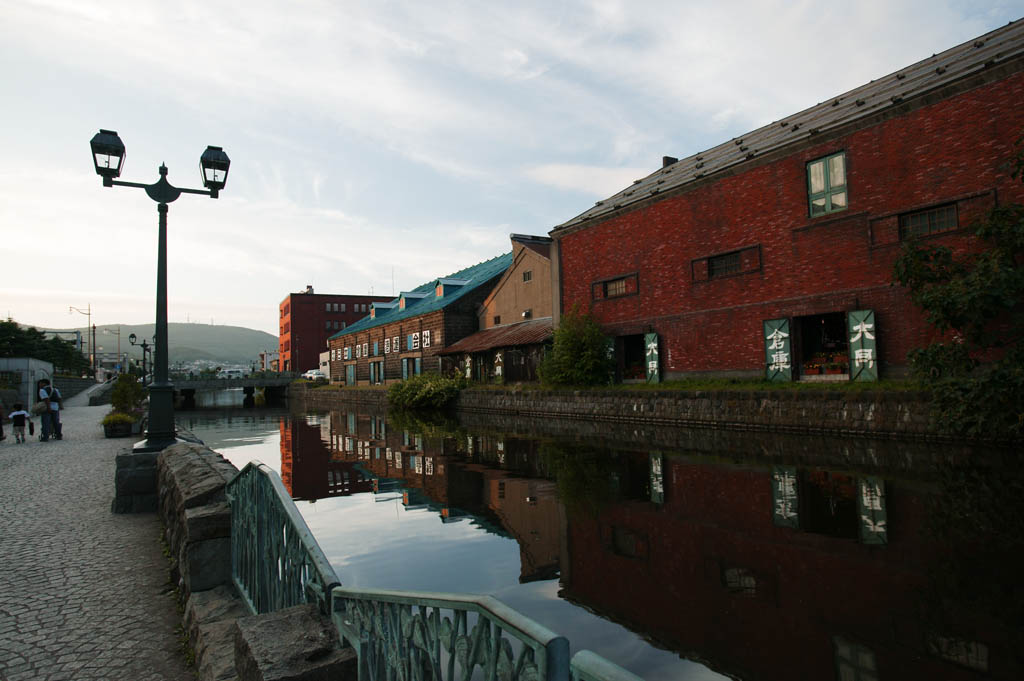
<point x="826" y="184"/>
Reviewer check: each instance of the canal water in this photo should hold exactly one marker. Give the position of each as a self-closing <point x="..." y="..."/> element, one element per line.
<point x="677" y="554"/>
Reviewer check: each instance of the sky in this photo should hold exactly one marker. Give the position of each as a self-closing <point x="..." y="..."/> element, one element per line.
<point x="378" y="145"/>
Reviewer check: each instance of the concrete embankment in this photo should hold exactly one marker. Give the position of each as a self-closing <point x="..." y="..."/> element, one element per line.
<point x="879" y="414"/>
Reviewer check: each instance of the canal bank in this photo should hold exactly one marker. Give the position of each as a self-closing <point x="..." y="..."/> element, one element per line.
<point x="901" y="415"/>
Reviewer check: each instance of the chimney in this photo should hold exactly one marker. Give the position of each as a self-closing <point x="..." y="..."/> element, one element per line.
<point x="309" y="288"/>
<point x="666" y="161"/>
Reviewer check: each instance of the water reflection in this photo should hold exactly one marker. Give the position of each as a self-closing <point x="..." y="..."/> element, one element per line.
<point x="756" y="557"/>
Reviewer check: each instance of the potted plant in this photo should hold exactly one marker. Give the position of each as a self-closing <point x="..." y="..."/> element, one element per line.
<point x="125" y="417"/>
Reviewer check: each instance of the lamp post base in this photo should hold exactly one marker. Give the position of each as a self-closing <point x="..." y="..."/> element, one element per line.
<point x="155" y="444"/>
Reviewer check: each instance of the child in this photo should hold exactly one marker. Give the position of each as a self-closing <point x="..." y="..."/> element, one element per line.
<point x="18" y="417"/>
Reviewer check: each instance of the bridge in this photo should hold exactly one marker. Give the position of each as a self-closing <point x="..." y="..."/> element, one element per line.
<point x="274" y="387"/>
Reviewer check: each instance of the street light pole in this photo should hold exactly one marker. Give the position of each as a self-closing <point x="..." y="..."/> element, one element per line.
<point x="108" y="158"/>
<point x="92" y="352"/>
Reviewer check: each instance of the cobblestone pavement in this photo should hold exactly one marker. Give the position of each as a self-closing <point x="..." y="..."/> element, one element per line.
<point x="83" y="592"/>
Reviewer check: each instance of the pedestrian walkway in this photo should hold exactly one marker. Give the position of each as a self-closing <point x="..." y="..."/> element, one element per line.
<point x="83" y="592"/>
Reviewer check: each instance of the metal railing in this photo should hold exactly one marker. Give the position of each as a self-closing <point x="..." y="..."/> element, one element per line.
<point x="398" y="635"/>
<point x="275" y="560"/>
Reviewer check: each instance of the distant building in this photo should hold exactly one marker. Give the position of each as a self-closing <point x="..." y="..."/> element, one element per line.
<point x="405" y="335"/>
<point x="308" y="319"/>
<point x="515" y="319"/>
<point x="771" y="254"/>
<point x="269" y="360"/>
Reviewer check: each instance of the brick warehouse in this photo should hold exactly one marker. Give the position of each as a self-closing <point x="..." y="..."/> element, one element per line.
<point x="773" y="252"/>
<point x="308" y="319"/>
<point x="404" y="336"/>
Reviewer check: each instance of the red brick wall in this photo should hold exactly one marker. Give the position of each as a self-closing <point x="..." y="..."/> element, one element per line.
<point x="950" y="150"/>
<point x="303" y="329"/>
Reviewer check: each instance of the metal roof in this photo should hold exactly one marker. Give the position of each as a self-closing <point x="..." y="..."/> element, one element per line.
<point x="504" y="336"/>
<point x="972" y="57"/>
<point x="476" y="276"/>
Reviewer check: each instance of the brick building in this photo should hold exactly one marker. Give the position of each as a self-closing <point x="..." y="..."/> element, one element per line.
<point x="405" y="335"/>
<point x="772" y="253"/>
<point x="514" y="320"/>
<point x="308" y="319"/>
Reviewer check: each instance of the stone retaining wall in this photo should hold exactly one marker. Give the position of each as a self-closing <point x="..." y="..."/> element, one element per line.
<point x="902" y="415"/>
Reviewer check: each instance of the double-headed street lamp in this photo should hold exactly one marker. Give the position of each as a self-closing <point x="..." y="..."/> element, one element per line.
<point x="146" y="349"/>
<point x="108" y="154"/>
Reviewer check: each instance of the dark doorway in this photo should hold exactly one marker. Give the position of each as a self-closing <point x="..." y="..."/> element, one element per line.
<point x="823" y="346"/>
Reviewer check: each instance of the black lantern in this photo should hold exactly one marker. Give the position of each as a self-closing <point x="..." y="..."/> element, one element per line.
<point x="214" y="164"/>
<point x="107" y="154"/>
<point x="132" y="338"/>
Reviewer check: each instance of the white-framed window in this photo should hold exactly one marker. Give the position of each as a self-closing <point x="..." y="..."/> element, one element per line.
<point x="342" y="307"/>
<point x="366" y="350"/>
<point x="426" y="338"/>
<point x="394" y="344"/>
<point x="387" y="345"/>
<point x="416" y="341"/>
<point x="348" y="352"/>
<point x="327" y="307"/>
<point x="826" y="184"/>
<point x="358" y="350"/>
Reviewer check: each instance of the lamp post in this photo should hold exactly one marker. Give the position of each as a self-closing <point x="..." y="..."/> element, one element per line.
<point x="92" y="352"/>
<point x="146" y="349"/>
<point x="108" y="153"/>
<point x="118" y="334"/>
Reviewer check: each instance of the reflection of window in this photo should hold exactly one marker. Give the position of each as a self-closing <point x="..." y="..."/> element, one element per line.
<point x="739" y="581"/>
<point x="968" y="653"/>
<point x="627" y="543"/>
<point x="854" y="662"/>
<point x="826" y="184"/>
<point x="931" y="221"/>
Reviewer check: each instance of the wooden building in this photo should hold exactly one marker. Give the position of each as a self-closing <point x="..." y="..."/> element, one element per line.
<point x="405" y="335"/>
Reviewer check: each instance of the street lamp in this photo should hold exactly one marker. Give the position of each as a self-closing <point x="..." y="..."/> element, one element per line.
<point x="118" y="334"/>
<point x="108" y="154"/>
<point x="92" y="352"/>
<point x="146" y="349"/>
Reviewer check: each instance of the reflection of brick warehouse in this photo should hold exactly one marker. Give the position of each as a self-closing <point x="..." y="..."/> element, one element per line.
<point x="312" y="472"/>
<point x="710" y="574"/>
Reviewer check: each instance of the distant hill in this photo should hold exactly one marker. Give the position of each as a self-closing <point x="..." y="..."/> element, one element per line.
<point x="189" y="342"/>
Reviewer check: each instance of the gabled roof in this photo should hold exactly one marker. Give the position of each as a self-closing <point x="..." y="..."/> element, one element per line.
<point x="971" y="58"/>
<point x="541" y="245"/>
<point x="504" y="336"/>
<point x="474" y="276"/>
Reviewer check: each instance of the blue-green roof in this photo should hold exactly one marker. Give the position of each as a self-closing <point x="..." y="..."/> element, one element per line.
<point x="475" y="276"/>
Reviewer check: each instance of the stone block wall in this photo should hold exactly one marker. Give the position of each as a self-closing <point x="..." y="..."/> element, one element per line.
<point x="190" y="482"/>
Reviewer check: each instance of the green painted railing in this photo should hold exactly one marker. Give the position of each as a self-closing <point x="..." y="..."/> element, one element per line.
<point x="418" y="636"/>
<point x="399" y="635"/>
<point x="275" y="560"/>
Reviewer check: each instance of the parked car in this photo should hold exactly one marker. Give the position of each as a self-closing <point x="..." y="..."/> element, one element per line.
<point x="315" y="375"/>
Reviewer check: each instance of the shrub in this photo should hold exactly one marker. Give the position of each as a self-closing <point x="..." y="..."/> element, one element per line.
<point x="431" y="391"/>
<point x="127" y="395"/>
<point x="579" y="355"/>
<point x="116" y="417"/>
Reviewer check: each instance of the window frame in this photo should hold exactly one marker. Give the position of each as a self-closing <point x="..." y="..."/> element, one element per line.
<point x="829" y="191"/>
<point x="907" y="231"/>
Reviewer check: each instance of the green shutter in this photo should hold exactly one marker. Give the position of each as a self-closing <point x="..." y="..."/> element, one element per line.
<point x="352" y="422"/>
<point x="405" y="368"/>
<point x="657" y="462"/>
<point x="350" y="375"/>
<point x="418" y="367"/>
<point x="863" y="345"/>
<point x="651" y="348"/>
<point x="785" y="502"/>
<point x="777" y="350"/>
<point x="871" y="510"/>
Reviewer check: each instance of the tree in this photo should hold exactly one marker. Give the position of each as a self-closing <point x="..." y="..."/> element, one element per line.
<point x="977" y="300"/>
<point x="16" y="341"/>
<point x="579" y="355"/>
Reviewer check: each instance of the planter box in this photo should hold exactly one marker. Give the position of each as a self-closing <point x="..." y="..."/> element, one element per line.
<point x="120" y="429"/>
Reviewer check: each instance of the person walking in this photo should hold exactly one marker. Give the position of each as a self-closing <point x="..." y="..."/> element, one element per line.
<point x="18" y="419"/>
<point x="51" y="417"/>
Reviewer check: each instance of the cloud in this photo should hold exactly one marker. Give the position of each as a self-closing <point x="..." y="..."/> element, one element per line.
<point x="593" y="180"/>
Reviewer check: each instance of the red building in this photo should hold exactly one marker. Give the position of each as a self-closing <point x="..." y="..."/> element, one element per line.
<point x="772" y="253"/>
<point x="308" y="319"/>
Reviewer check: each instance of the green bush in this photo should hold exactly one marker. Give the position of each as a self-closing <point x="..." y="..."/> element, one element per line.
<point x="127" y="395"/>
<point x="430" y="391"/>
<point x="579" y="355"/>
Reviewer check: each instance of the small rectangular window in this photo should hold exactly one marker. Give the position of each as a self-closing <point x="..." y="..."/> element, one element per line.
<point x="826" y="184"/>
<point x="930" y="221"/>
<point x="721" y="265"/>
<point x="527" y="276"/>
<point x="327" y="324"/>
<point x="615" y="287"/>
<point x="358" y="351"/>
<point x="327" y="307"/>
<point x="395" y="347"/>
<point x="343" y="307"/>
<point x="366" y="349"/>
<point x="416" y="341"/>
<point x="426" y="338"/>
<point x="387" y="346"/>
<point x="497" y="319"/>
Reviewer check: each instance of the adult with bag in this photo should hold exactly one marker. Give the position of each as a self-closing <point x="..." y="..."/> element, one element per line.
<point x="50" y="396"/>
